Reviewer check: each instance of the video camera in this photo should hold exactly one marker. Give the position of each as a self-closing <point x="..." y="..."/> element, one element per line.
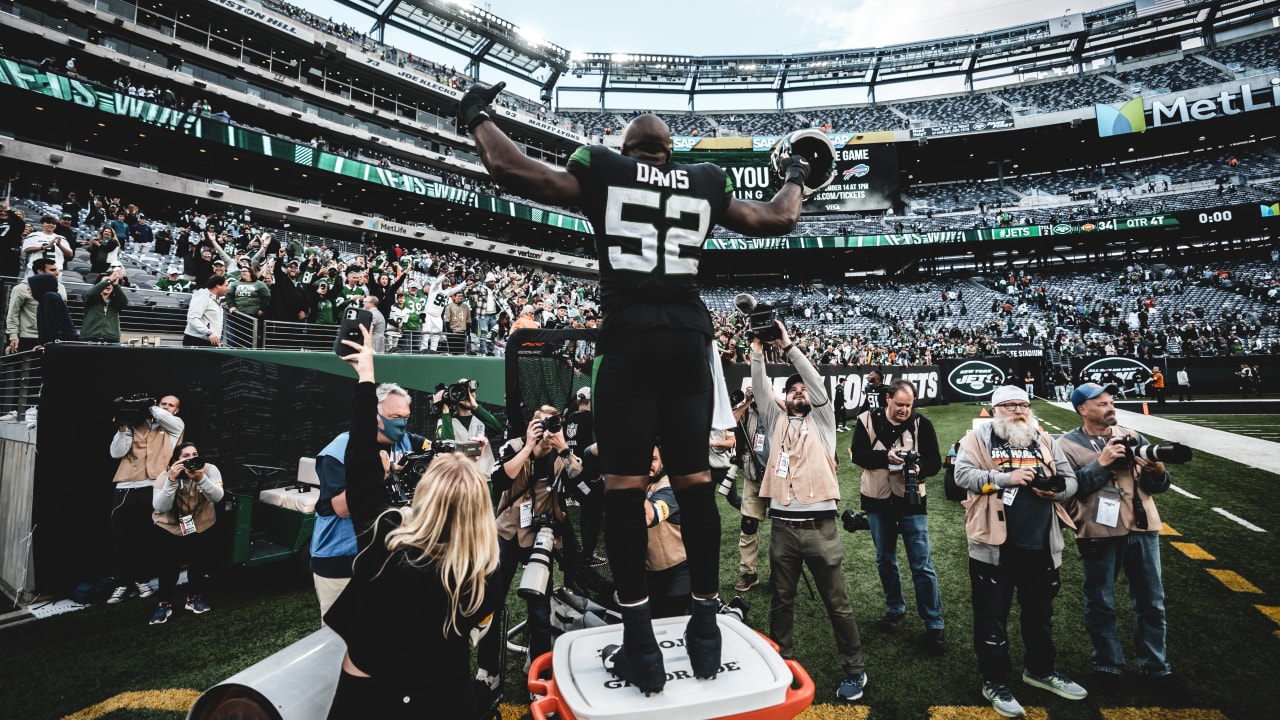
<point x="760" y="317"/>
<point x="401" y="483"/>
<point x="133" y="410"/>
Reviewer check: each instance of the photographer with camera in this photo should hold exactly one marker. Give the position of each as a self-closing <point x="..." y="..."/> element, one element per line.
<point x="422" y="588"/>
<point x="897" y="449"/>
<point x="183" y="500"/>
<point x="800" y="484"/>
<point x="462" y="417"/>
<point x="1118" y="528"/>
<point x="532" y="474"/>
<point x="666" y="568"/>
<point x="333" y="540"/>
<point x="1018" y="479"/>
<point x="752" y="455"/>
<point x="147" y="432"/>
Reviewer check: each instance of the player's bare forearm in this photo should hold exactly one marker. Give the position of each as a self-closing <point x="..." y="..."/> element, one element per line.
<point x="509" y="166"/>
<point x="776" y="217"/>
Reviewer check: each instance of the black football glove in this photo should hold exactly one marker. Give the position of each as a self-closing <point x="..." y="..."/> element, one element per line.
<point x="473" y="108"/>
<point x="797" y="170"/>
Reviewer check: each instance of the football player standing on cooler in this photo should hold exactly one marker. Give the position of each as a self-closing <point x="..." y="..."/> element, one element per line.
<point x="651" y="217"/>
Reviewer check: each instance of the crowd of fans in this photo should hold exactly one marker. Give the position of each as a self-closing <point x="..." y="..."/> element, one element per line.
<point x="1145" y="312"/>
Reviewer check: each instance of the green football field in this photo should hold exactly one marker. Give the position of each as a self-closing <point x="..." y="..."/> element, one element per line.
<point x="1220" y="576"/>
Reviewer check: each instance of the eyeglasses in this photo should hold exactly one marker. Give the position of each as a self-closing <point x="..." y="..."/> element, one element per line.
<point x="1015" y="407"/>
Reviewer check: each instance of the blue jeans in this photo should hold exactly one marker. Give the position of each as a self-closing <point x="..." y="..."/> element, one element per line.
<point x="1138" y="554"/>
<point x="914" y="529"/>
<point x="484" y="331"/>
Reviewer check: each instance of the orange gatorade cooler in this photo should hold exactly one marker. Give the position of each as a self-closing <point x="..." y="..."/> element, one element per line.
<point x="754" y="681"/>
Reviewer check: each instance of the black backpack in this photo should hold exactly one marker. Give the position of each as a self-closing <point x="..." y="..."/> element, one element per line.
<point x="949" y="486"/>
<point x="92" y="592"/>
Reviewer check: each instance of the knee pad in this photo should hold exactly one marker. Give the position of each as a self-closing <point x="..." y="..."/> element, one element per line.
<point x="750" y="525"/>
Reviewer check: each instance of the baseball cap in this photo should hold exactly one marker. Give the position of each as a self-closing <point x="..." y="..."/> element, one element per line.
<point x="1089" y="391"/>
<point x="1005" y="393"/>
<point x="584" y="393"/>
<point x="65" y="216"/>
<point x="175" y="271"/>
<point x="219" y="261"/>
<point x="795" y="378"/>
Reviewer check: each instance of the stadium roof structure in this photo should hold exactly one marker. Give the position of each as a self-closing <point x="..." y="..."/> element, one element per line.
<point x="1071" y="42"/>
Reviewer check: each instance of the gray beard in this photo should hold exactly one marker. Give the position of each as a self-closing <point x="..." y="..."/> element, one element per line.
<point x="1017" y="434"/>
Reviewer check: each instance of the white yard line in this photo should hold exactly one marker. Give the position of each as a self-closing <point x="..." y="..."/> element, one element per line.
<point x="1182" y="492"/>
<point x="1239" y="520"/>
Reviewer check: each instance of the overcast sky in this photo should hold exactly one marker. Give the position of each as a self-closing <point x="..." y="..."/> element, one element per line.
<point x="739" y="28"/>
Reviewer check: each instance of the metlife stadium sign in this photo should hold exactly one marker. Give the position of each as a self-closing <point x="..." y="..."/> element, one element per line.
<point x="1129" y="117"/>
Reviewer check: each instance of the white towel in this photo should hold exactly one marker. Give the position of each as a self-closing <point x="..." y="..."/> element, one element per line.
<point x="722" y="412"/>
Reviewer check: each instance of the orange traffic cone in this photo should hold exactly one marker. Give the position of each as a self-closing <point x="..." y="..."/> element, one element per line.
<point x="984" y="413"/>
<point x="1144" y="409"/>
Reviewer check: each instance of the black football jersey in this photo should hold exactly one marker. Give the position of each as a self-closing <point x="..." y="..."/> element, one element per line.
<point x="650" y="223"/>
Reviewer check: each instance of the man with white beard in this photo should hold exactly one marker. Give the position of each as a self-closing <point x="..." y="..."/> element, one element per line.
<point x="1017" y="478"/>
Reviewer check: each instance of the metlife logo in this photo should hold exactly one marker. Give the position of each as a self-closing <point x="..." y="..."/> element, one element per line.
<point x="1129" y="116"/>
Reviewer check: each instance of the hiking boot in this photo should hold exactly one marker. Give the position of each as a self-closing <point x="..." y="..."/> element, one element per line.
<point x="746" y="582"/>
<point x="934" y="641"/>
<point x="143" y="589"/>
<point x="197" y="605"/>
<point x="118" y="594"/>
<point x="852" y="687"/>
<point x="162" y="613"/>
<point x="638" y="660"/>
<point x="893" y="622"/>
<point x="702" y="638"/>
<point x="1002" y="700"/>
<point x="1057" y="683"/>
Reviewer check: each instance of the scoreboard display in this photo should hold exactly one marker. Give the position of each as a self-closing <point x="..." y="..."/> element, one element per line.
<point x="866" y="178"/>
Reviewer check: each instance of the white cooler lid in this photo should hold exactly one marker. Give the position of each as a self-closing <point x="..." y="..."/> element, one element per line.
<point x="752" y="675"/>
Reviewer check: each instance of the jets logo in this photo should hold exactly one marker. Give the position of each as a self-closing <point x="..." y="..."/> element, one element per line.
<point x="975" y="378"/>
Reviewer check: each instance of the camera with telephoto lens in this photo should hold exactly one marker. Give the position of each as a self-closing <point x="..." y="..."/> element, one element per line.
<point x="192" y="464"/>
<point x="1050" y="483"/>
<point x="1166" y="452"/>
<point x="855" y="521"/>
<point x="552" y="424"/>
<point x="460" y="391"/>
<point x="401" y="483"/>
<point x="760" y="316"/>
<point x="537" y="573"/>
<point x="133" y="410"/>
<point x="909" y="460"/>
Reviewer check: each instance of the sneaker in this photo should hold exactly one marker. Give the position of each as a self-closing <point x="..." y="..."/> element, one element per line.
<point x="197" y="605"/>
<point x="746" y="582"/>
<point x="1106" y="682"/>
<point x="1002" y="700"/>
<point x="935" y="641"/>
<point x="893" y="622"/>
<point x="143" y="589"/>
<point x="596" y="560"/>
<point x="1057" y="683"/>
<point x="851" y="688"/>
<point x="118" y="594"/>
<point x="162" y="613"/>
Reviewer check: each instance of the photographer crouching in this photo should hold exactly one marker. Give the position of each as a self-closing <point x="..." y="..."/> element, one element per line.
<point x="422" y="587"/>
<point x="531" y="474"/>
<point x="183" y="500"/>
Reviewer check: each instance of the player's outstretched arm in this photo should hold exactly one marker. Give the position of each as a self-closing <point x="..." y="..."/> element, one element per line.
<point x="776" y="217"/>
<point x="510" y="167"/>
